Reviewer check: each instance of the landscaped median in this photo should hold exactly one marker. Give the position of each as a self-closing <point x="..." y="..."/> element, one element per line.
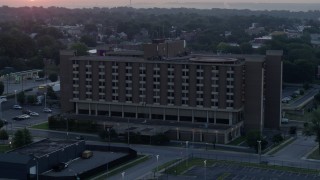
<point x="314" y="154"/>
<point x="42" y="126"/>
<point x="280" y="146"/>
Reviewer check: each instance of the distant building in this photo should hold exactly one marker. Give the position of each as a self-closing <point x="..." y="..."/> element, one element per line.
<point x="209" y="98"/>
<point x="315" y="40"/>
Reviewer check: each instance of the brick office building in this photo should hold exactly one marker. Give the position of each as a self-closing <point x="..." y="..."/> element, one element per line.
<point x="207" y="97"/>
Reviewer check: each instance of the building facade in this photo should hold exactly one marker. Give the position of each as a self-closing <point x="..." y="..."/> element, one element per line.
<point x="204" y="90"/>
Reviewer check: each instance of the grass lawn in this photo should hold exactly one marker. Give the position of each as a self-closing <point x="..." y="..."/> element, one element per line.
<point x="314" y="155"/>
<point x="4" y="148"/>
<point x="165" y="165"/>
<point x="306" y="117"/>
<point x="223" y="176"/>
<point x="183" y="166"/>
<point x="237" y="141"/>
<point x="280" y="146"/>
<point x="44" y="126"/>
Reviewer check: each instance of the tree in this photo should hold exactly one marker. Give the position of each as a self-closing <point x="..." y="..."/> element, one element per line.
<point x="1" y="87"/>
<point x="21" y="97"/>
<point x="26" y="136"/>
<point x="41" y="74"/>
<point x="317" y="97"/>
<point x="22" y="137"/>
<point x="277" y="138"/>
<point x="51" y="93"/>
<point x="4" y="135"/>
<point x="18" y="139"/>
<point x="252" y="139"/>
<point x="53" y="77"/>
<point x="31" y="99"/>
<point x="313" y="127"/>
<point x="80" y="48"/>
<point x="1" y="124"/>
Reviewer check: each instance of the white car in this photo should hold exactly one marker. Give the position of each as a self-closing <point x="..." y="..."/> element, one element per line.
<point x="17" y="107"/>
<point x="47" y="110"/>
<point x="33" y="114"/>
<point x="25" y="116"/>
<point x="3" y="98"/>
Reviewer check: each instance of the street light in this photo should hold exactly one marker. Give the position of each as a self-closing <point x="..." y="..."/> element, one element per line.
<point x="15" y="96"/>
<point x="45" y="100"/>
<point x="157" y="162"/>
<point x="259" y="150"/>
<point x="205" y="169"/>
<point x="123" y="174"/>
<point x="187" y="153"/>
<point x="128" y="134"/>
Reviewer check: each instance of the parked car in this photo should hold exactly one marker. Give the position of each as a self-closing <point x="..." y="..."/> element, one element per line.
<point x="47" y="110"/>
<point x="3" y="98"/>
<point x="26" y="111"/>
<point x="17" y="107"/>
<point x="5" y="122"/>
<point x="21" y="117"/>
<point x="34" y="114"/>
<point x="60" y="166"/>
<point x="79" y="138"/>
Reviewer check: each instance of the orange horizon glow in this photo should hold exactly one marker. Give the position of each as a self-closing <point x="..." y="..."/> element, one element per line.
<point x="113" y="3"/>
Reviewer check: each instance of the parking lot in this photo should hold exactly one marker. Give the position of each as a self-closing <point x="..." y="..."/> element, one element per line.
<point x="238" y="172"/>
<point x="8" y="113"/>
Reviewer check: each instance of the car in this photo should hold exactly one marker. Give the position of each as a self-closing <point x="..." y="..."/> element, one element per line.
<point x="79" y="138"/>
<point x="5" y="122"/>
<point x="25" y="116"/>
<point x="19" y="118"/>
<point x="17" y="107"/>
<point x="60" y="166"/>
<point x="26" y="111"/>
<point x="3" y="98"/>
<point x="33" y="114"/>
<point x="47" y="110"/>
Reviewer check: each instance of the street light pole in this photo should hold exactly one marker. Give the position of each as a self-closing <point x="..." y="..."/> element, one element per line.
<point x="205" y="169"/>
<point x="45" y="100"/>
<point x="123" y="174"/>
<point x="128" y="134"/>
<point x="15" y="96"/>
<point x="187" y="152"/>
<point x="157" y="162"/>
<point x="259" y="150"/>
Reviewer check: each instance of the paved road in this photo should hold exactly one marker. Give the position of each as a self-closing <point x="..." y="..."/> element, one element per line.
<point x="167" y="153"/>
<point x="297" y="149"/>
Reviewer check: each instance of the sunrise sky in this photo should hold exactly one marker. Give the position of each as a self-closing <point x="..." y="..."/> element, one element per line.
<point x="112" y="3"/>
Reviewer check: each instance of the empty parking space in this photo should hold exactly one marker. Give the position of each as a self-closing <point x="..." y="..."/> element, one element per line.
<point x="238" y="172"/>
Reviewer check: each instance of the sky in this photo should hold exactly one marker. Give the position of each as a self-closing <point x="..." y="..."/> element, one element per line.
<point x="113" y="3"/>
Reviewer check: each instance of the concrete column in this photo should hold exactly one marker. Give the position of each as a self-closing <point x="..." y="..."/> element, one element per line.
<point x="207" y="116"/>
<point x="215" y="117"/>
<point x="122" y="111"/>
<point x="201" y="136"/>
<point x="192" y="116"/>
<point x="164" y="114"/>
<point x="109" y="110"/>
<point x="89" y="109"/>
<point x="136" y="112"/>
<point x="96" y="109"/>
<point x="77" y="108"/>
<point x="230" y="118"/>
<point x="178" y="115"/>
<point x="178" y="135"/>
<point x="225" y="137"/>
<point x="149" y="112"/>
<point x="192" y="135"/>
